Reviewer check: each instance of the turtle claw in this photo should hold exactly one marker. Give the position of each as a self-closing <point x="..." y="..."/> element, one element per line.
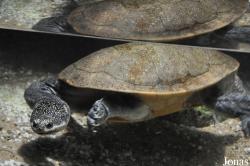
<point x="245" y="124"/>
<point x="91" y="128"/>
<point x="215" y="119"/>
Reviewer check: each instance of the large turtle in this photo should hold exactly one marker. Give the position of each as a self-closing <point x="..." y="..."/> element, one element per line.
<point x="139" y="81"/>
<point x="153" y="20"/>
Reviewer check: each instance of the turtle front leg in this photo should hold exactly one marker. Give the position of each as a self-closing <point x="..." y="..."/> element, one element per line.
<point x="50" y="112"/>
<point x="124" y="108"/>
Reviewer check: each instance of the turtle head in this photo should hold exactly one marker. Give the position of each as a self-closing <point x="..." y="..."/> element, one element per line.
<point x="98" y="114"/>
<point x="50" y="114"/>
<point x="234" y="103"/>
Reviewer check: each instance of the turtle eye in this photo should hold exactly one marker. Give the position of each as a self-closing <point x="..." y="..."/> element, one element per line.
<point x="45" y="89"/>
<point x="49" y="125"/>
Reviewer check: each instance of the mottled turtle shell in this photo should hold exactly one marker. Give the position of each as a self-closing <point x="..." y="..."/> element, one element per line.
<point x="149" y="68"/>
<point x="154" y="20"/>
<point x="163" y="76"/>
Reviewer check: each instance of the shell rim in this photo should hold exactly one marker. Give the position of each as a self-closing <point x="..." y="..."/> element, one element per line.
<point x="166" y="92"/>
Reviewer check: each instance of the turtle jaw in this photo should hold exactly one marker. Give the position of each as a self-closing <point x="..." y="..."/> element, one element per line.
<point x="98" y="114"/>
<point x="46" y="128"/>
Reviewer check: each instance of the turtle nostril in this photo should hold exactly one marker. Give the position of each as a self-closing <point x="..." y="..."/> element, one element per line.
<point x="49" y="125"/>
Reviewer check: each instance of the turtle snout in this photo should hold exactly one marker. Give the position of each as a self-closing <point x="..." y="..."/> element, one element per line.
<point x="36" y="127"/>
<point x="41" y="127"/>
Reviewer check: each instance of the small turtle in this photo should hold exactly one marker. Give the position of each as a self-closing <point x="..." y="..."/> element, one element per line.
<point x="139" y="81"/>
<point x="157" y="20"/>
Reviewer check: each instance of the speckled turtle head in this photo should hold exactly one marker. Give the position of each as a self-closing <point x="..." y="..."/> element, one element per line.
<point x="49" y="116"/>
<point x="154" y="20"/>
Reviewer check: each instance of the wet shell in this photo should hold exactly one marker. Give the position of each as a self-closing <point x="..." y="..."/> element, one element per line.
<point x="158" y="20"/>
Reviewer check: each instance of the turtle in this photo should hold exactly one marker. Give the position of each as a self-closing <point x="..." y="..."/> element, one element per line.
<point x="138" y="81"/>
<point x="147" y="20"/>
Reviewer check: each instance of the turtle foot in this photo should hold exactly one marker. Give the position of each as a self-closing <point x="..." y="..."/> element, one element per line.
<point x="98" y="114"/>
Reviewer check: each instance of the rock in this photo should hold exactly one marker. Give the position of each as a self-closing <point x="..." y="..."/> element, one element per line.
<point x="247" y="150"/>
